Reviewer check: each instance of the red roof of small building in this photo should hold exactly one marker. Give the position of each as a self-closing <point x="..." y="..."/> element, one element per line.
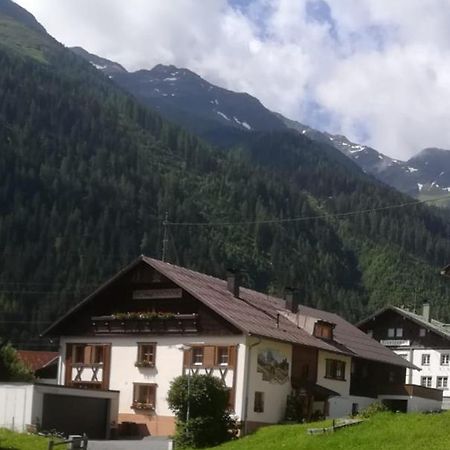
<point x="36" y="360"/>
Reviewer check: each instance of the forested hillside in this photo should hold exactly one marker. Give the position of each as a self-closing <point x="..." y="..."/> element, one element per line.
<point x="87" y="176"/>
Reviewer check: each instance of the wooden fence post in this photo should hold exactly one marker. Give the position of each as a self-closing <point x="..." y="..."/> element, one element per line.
<point x="50" y="444"/>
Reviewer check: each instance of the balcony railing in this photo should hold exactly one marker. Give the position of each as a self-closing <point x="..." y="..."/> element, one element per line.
<point x="178" y="323"/>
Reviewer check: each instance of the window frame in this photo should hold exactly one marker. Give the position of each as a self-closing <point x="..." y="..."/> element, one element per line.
<point x="258" y="402"/>
<point x="442" y="382"/>
<point x="391" y="333"/>
<point x="335" y="369"/>
<point x="141" y="361"/>
<point x="222" y="351"/>
<point x="198" y="349"/>
<point x="445" y="356"/>
<point x="426" y="359"/>
<point x="151" y="395"/>
<point x="426" y="381"/>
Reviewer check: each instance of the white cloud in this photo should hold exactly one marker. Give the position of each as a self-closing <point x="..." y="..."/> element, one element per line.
<point x="376" y="70"/>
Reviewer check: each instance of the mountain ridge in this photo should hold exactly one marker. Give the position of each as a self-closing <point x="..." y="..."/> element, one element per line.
<point x="401" y="175"/>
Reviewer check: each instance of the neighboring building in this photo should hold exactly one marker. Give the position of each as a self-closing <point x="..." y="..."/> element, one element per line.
<point x="154" y="321"/>
<point x="44" y="365"/>
<point x="420" y="340"/>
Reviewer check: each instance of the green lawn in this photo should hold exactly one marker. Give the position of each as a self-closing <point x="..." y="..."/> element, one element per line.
<point x="19" y="441"/>
<point x="382" y="431"/>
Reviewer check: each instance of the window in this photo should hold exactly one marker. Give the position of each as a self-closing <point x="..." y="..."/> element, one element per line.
<point x="146" y="354"/>
<point x="426" y="359"/>
<point x="391" y="376"/>
<point x="444" y="359"/>
<point x="323" y="330"/>
<point x="144" y="396"/>
<point x="222" y="356"/>
<point x="88" y="354"/>
<point x="259" y="402"/>
<point x="197" y="356"/>
<point x="422" y="332"/>
<point x="399" y="332"/>
<point x="335" y="369"/>
<point x="442" y="382"/>
<point x="425" y="381"/>
<point x="97" y="354"/>
<point x="391" y="332"/>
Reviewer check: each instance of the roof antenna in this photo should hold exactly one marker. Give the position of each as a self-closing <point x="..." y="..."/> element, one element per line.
<point x="165" y="236"/>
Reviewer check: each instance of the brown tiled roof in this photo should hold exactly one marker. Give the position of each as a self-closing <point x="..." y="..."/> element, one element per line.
<point x="356" y="340"/>
<point x="256" y="313"/>
<point x="36" y="360"/>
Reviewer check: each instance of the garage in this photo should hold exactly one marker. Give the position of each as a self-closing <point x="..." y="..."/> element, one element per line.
<point x="76" y="415"/>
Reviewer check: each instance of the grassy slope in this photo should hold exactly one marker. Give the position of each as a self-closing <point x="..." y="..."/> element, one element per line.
<point x="383" y="431"/>
<point x="19" y="441"/>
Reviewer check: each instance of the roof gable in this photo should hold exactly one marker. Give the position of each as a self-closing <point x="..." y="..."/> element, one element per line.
<point x="259" y="314"/>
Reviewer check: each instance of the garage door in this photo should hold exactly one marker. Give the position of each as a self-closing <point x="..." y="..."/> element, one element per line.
<point x="75" y="415"/>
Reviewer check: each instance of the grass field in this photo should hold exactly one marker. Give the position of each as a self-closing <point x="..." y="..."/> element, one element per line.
<point x="383" y="431"/>
<point x="18" y="441"/>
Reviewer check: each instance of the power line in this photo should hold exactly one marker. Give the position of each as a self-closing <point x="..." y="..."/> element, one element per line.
<point x="303" y="219"/>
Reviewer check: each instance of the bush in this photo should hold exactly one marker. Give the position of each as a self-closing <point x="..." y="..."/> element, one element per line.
<point x="209" y="420"/>
<point x="11" y="367"/>
<point x="372" y="409"/>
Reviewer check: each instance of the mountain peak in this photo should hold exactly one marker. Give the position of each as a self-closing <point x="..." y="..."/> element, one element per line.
<point x="107" y="66"/>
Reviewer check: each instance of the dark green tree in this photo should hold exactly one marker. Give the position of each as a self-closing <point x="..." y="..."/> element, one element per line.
<point x="200" y="403"/>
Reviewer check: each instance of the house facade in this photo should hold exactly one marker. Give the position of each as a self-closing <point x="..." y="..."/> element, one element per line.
<point x="154" y="321"/>
<point x="420" y="340"/>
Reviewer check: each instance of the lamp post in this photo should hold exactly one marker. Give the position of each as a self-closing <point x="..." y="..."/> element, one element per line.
<point x="185" y="348"/>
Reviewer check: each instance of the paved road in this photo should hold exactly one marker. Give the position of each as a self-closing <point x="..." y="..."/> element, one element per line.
<point x="148" y="443"/>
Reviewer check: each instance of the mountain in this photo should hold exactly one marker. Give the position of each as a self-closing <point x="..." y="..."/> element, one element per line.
<point x="20" y="15"/>
<point x="88" y="174"/>
<point x="223" y="117"/>
<point x="424" y="176"/>
<point x="218" y="115"/>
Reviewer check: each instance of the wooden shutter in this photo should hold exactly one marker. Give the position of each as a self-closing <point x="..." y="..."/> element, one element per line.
<point x="209" y="356"/>
<point x="68" y="364"/>
<point x="187" y="358"/>
<point x="232" y="356"/>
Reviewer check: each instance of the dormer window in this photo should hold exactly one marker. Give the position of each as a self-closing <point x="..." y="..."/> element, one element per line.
<point x="323" y="329"/>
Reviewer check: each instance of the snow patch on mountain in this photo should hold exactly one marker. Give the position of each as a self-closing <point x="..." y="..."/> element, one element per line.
<point x="98" y="66"/>
<point x="223" y="115"/>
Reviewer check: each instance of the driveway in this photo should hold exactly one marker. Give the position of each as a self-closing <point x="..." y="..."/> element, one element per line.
<point x="148" y="443"/>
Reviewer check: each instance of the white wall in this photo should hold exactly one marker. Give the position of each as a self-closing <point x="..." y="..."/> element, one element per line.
<point x="168" y="365"/>
<point x="16" y="401"/>
<point x="275" y="394"/>
<point x="342" y="406"/>
<point x="342" y="387"/>
<point x="415" y="404"/>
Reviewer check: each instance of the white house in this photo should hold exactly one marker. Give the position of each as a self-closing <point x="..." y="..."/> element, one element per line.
<point x="154" y="321"/>
<point x="418" y="339"/>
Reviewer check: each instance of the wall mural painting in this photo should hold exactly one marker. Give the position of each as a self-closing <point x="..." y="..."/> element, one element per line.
<point x="274" y="366"/>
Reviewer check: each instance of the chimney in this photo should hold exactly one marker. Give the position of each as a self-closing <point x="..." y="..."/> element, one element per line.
<point x="291" y="304"/>
<point x="233" y="281"/>
<point x="426" y="311"/>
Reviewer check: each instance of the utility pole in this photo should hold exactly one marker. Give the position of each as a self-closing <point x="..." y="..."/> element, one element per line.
<point x="165" y="236"/>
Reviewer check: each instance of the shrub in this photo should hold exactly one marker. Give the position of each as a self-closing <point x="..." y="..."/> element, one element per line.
<point x="11" y="367"/>
<point x="209" y="420"/>
<point x="372" y="409"/>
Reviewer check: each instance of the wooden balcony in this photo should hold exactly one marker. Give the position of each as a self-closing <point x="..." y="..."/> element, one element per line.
<point x="178" y="323"/>
<point x="412" y="390"/>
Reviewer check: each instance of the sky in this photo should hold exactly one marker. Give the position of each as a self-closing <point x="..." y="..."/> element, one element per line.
<point x="376" y="71"/>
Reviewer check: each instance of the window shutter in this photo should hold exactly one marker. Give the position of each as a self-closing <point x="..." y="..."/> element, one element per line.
<point x="87" y="354"/>
<point x="209" y="356"/>
<point x="232" y="356"/>
<point x="187" y="358"/>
